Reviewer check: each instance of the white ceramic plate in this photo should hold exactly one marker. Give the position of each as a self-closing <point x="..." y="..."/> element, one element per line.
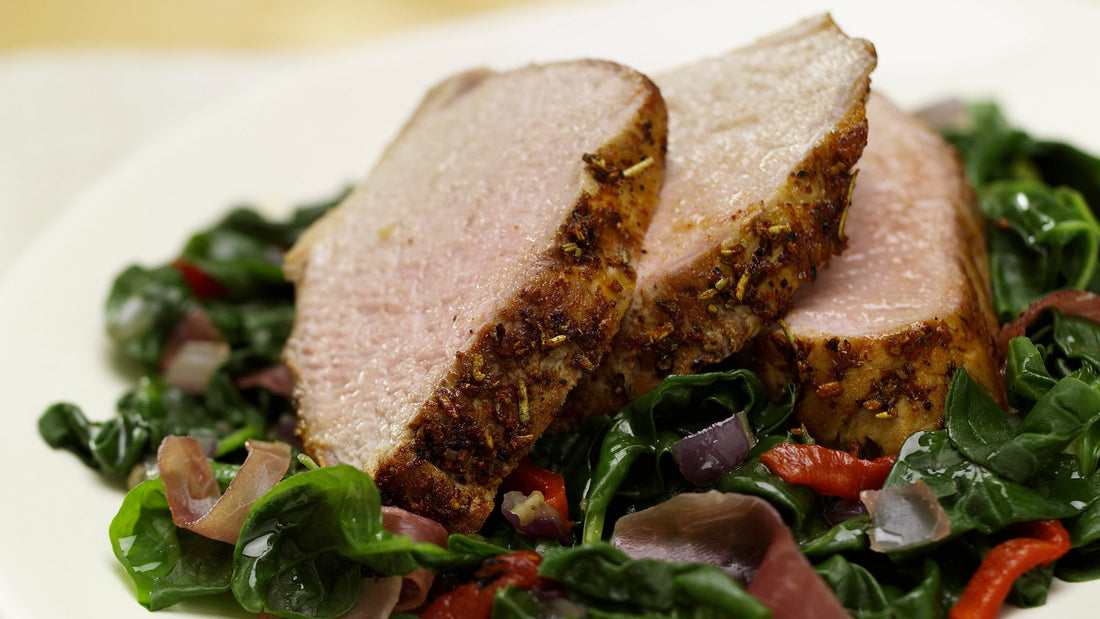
<point x="306" y="137"/>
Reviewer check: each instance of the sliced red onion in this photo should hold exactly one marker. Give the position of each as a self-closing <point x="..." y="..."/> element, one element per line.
<point x="531" y="515"/>
<point x="195" y="325"/>
<point x="742" y="535"/>
<point x="193" y="494"/>
<point x="277" y="379"/>
<point x="194" y="363"/>
<point x="414" y="586"/>
<point x="843" y="511"/>
<point x="905" y="517"/>
<point x="708" y="454"/>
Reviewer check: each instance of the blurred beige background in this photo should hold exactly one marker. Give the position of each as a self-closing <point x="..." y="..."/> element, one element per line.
<point x="86" y="84"/>
<point x="238" y="24"/>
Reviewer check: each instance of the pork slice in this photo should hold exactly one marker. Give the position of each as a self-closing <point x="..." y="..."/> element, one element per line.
<point x="874" y="342"/>
<point x="761" y="146"/>
<point x="445" y="309"/>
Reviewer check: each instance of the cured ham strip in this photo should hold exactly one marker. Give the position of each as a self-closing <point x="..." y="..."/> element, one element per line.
<point x="742" y="535"/>
<point x="416" y="584"/>
<point x="196" y="500"/>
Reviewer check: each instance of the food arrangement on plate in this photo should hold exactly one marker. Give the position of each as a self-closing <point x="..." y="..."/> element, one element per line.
<point x="590" y="343"/>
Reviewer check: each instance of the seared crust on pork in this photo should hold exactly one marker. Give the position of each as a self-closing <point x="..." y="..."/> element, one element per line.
<point x="873" y="344"/>
<point x="762" y="145"/>
<point x="505" y="329"/>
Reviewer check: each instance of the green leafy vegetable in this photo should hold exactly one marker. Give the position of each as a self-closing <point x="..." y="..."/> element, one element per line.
<point x="640" y="435"/>
<point x="1041" y="239"/>
<point x="1036" y="196"/>
<point x="863" y="595"/>
<point x="303" y="547"/>
<point x="605" y="579"/>
<point x="1015" y="447"/>
<point x="143" y="308"/>
<point x="150" y="412"/>
<point x="168" y="564"/>
<point x="306" y="543"/>
<point x="243" y="253"/>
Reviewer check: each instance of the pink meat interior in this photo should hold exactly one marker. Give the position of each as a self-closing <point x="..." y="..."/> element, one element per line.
<point x="449" y="226"/>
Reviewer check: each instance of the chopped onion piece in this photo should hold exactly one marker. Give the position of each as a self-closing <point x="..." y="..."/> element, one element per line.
<point x="193" y="494"/>
<point x="194" y="363"/>
<point x="531" y="515"/>
<point x="844" y="510"/>
<point x="905" y="517"/>
<point x="195" y="325"/>
<point x="415" y="585"/>
<point x="708" y="454"/>
<point x="277" y="379"/>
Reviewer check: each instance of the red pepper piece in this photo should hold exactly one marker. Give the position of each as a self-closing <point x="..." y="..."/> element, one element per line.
<point x="528" y="477"/>
<point x="200" y="282"/>
<point x="474" y="600"/>
<point x="1039" y="544"/>
<point x="828" y="471"/>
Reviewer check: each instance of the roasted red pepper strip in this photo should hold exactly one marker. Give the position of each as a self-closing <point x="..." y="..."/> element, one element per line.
<point x="200" y="282"/>
<point x="828" y="471"/>
<point x="528" y="477"/>
<point x="1039" y="544"/>
<point x="474" y="600"/>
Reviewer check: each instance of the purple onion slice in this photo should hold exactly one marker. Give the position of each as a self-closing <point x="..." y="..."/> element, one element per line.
<point x="905" y="517"/>
<point x="192" y="365"/>
<point x="708" y="454"/>
<point x="844" y="510"/>
<point x="530" y="515"/>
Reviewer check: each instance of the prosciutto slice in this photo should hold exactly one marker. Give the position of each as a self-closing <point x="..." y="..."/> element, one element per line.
<point x="742" y="535"/>
<point x="196" y="500"/>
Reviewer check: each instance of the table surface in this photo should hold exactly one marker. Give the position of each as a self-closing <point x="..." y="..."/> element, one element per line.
<point x="227" y="24"/>
<point x="85" y="83"/>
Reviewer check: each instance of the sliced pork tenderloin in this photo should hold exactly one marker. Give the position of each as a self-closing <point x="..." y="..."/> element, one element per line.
<point x="446" y="308"/>
<point x="761" y="147"/>
<point x="873" y="344"/>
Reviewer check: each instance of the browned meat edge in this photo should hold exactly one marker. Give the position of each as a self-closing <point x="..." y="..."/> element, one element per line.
<point x="511" y="383"/>
<point x="709" y="309"/>
<point x="867" y="395"/>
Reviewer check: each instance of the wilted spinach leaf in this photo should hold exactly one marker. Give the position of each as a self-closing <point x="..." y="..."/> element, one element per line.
<point x="1040" y="199"/>
<point x="143" y="308"/>
<point x="640" y="435"/>
<point x="168" y="564"/>
<point x="305" y="543"/>
<point x="605" y="579"/>
<point x="243" y="252"/>
<point x="868" y="597"/>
